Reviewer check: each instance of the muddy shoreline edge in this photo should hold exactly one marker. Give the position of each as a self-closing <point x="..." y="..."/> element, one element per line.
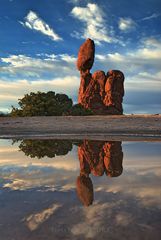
<point x="111" y="127"/>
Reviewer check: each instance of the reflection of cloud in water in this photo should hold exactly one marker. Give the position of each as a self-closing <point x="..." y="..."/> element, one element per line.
<point x="123" y="218"/>
<point x="120" y="217"/>
<point x="93" y="217"/>
<point x="13" y="157"/>
<point x="22" y="178"/>
<point x="112" y="216"/>
<point x="35" y="220"/>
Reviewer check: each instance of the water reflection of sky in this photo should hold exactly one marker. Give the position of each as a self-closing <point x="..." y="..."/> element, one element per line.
<point x="38" y="197"/>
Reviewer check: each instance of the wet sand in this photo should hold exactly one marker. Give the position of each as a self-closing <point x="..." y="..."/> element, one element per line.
<point x="124" y="127"/>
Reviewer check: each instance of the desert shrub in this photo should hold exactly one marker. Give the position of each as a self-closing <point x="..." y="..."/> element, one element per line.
<point x="2" y="114"/>
<point x="79" y="110"/>
<point x="42" y="104"/>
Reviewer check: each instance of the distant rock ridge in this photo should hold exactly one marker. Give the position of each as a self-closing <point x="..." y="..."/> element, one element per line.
<point x="100" y="92"/>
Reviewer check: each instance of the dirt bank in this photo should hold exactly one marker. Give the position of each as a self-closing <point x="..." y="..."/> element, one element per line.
<point x="123" y="127"/>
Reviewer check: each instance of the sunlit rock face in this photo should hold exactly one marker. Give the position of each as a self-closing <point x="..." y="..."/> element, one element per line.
<point x="100" y="92"/>
<point x="86" y="55"/>
<point x="97" y="158"/>
<point x="114" y="91"/>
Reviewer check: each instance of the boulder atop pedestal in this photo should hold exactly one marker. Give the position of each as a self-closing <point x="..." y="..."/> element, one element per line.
<point x="86" y="55"/>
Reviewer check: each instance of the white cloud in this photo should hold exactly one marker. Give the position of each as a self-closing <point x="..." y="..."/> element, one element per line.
<point x="77" y="1"/>
<point x="93" y="18"/>
<point x="19" y="87"/>
<point x="25" y="66"/>
<point x="68" y="58"/>
<point x="152" y="42"/>
<point x="126" y="24"/>
<point x="154" y="15"/>
<point x="145" y="58"/>
<point x="34" y="22"/>
<point x="139" y="83"/>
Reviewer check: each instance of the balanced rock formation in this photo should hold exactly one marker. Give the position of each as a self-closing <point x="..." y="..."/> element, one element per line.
<point x="100" y="92"/>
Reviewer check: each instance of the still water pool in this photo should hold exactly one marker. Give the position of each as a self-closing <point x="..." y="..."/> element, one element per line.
<point x="60" y="189"/>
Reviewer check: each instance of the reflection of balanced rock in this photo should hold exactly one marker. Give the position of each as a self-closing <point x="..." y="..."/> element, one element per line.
<point x="97" y="157"/>
<point x="91" y="158"/>
<point x="113" y="158"/>
<point x="101" y="93"/>
<point x="85" y="190"/>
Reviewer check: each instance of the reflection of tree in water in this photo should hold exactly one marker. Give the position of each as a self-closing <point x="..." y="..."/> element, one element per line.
<point x="97" y="157"/>
<point x="45" y="148"/>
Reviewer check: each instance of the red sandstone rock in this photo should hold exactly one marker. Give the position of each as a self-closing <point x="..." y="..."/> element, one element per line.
<point x="91" y="98"/>
<point x="100" y="78"/>
<point x="86" y="55"/>
<point x="85" y="80"/>
<point x="114" y="89"/>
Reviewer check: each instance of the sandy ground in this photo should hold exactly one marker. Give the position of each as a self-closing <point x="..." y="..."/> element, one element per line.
<point x="125" y="127"/>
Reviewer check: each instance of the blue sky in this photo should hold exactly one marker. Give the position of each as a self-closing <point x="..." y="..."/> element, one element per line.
<point x="39" y="42"/>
